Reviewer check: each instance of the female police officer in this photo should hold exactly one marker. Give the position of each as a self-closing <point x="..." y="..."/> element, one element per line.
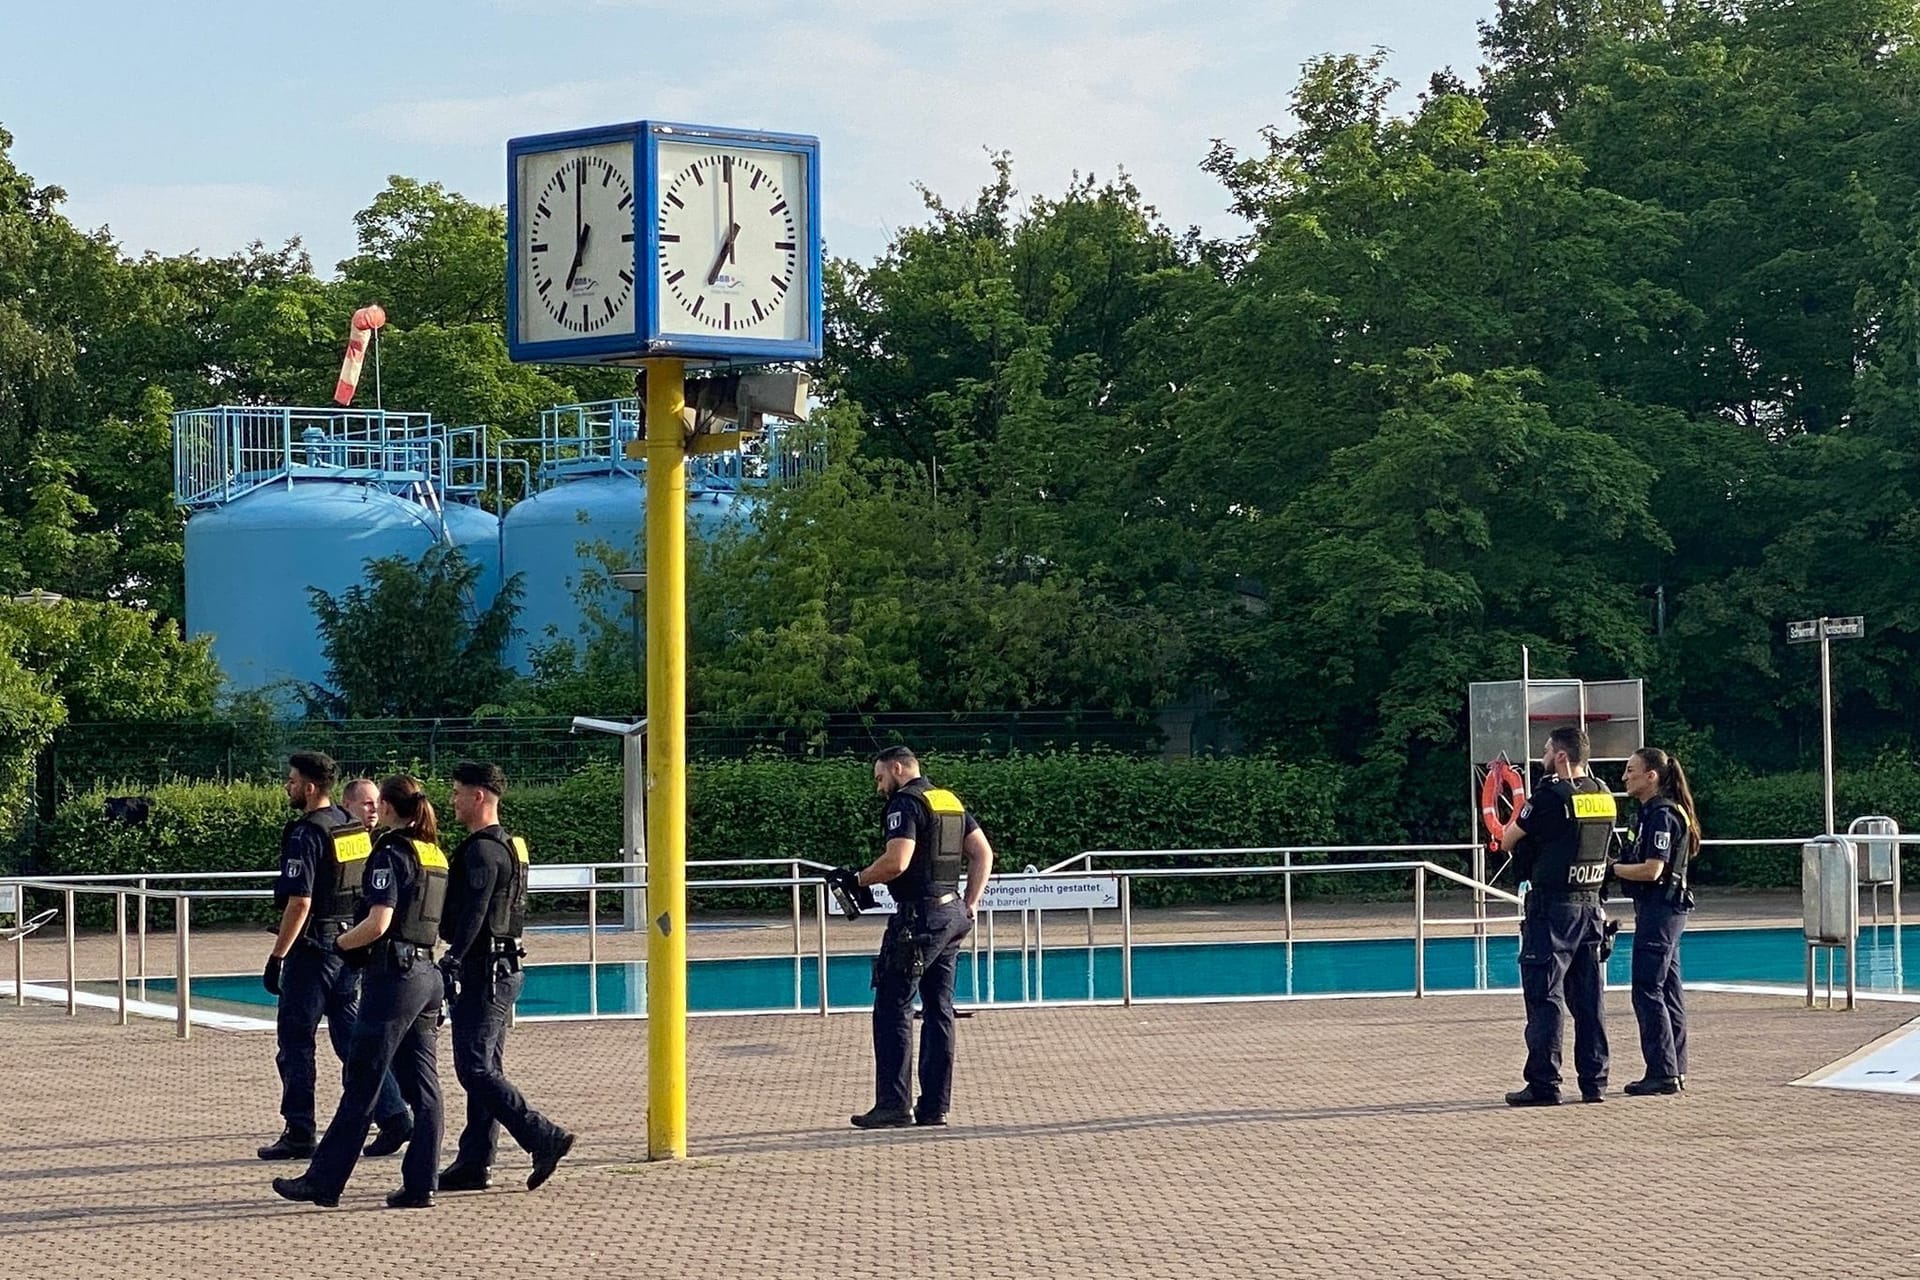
<point x="405" y="886"/>
<point x="1654" y="874"/>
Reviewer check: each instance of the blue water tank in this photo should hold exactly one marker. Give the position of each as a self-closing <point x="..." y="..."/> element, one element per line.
<point x="476" y="532"/>
<point x="550" y="540"/>
<point x="249" y="565"/>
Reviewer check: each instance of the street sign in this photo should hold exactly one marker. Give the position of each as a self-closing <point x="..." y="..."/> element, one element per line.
<point x="1810" y="629"/>
<point x="9" y="900"/>
<point x="1845" y="628"/>
<point x="1034" y="893"/>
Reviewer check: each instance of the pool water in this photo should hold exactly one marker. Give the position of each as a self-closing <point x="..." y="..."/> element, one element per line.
<point x="1160" y="971"/>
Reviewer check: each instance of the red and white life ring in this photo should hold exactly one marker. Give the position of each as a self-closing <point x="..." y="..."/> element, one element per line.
<point x="1506" y="786"/>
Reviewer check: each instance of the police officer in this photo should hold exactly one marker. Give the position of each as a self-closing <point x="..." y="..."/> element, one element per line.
<point x="406" y="889"/>
<point x="323" y="854"/>
<point x="930" y="838"/>
<point x="1560" y="841"/>
<point x="1654" y="874"/>
<point x="361" y="798"/>
<point x="485" y="917"/>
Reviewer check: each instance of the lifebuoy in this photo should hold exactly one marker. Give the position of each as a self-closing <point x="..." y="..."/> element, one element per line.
<point x="1504" y="783"/>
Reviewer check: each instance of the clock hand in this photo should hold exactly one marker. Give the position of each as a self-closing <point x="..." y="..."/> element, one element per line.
<point x="579" y="230"/>
<point x="579" y="252"/>
<point x="726" y="251"/>
<point x="727" y="164"/>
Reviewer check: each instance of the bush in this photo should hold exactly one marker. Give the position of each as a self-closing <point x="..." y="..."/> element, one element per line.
<point x="1037" y="809"/>
<point x="1790" y="804"/>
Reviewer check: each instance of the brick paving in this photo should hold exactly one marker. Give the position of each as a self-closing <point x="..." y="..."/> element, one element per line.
<point x="1319" y="1138"/>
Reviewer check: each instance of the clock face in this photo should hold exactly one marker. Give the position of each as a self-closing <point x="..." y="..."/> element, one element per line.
<point x="576" y="242"/>
<point x="733" y="242"/>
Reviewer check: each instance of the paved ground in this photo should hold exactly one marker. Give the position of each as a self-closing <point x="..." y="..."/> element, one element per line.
<point x="1324" y="1138"/>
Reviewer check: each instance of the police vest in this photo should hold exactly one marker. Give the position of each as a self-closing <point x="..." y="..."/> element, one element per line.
<point x="339" y="873"/>
<point x="1576" y="861"/>
<point x="1674" y="876"/>
<point x="418" y="919"/>
<point x="507" y="911"/>
<point x="939" y="843"/>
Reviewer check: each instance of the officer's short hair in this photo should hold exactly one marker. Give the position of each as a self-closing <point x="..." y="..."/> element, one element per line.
<point x="316" y="767"/>
<point x="1572" y="741"/>
<point x="481" y="773"/>
<point x="898" y="755"/>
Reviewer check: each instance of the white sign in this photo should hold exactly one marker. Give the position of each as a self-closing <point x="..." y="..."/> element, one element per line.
<point x="9" y="899"/>
<point x="1804" y="631"/>
<point x="559" y="877"/>
<point x="1846" y="628"/>
<point x="1034" y="893"/>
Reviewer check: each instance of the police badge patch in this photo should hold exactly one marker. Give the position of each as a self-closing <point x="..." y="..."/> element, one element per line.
<point x="893" y="820"/>
<point x="1663" y="840"/>
<point x="295" y="869"/>
<point x="382" y="880"/>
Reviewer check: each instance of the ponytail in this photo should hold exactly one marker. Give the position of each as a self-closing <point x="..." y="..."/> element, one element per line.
<point x="403" y="795"/>
<point x="1675" y="790"/>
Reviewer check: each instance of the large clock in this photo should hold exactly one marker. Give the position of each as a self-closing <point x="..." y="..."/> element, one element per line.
<point x="654" y="239"/>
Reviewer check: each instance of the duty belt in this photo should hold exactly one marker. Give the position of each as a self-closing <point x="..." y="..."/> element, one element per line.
<point x="407" y="952"/>
<point x="1565" y="895"/>
<point x="932" y="900"/>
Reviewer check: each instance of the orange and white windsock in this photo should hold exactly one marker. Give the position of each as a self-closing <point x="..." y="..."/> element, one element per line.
<point x="365" y="321"/>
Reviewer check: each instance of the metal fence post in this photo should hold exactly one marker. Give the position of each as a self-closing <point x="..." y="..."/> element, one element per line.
<point x="143" y="938"/>
<point x="1126" y="940"/>
<point x="67" y="895"/>
<point x="793" y="874"/>
<point x="1419" y="931"/>
<point x="593" y="949"/>
<point x="820" y="918"/>
<point x="182" y="980"/>
<point x="120" y="946"/>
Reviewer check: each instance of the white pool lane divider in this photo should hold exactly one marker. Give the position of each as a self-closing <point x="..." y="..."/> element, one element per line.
<point x="1890" y="1064"/>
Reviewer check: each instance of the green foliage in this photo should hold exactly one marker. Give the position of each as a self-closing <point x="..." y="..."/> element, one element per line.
<point x="29" y="713"/>
<point x="112" y="662"/>
<point x="409" y="643"/>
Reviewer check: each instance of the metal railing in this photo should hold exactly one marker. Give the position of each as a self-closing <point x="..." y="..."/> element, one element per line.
<point x="800" y="876"/>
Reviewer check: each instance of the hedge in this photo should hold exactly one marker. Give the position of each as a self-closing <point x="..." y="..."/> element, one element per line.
<point x="1036" y="809"/>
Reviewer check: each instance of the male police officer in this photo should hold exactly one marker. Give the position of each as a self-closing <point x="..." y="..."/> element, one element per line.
<point x="1560" y="842"/>
<point x="485" y="917"/>
<point x="361" y="798"/>
<point x="929" y="837"/>
<point x="323" y="853"/>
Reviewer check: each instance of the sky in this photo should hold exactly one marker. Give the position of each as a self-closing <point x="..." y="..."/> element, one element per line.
<point x="204" y="125"/>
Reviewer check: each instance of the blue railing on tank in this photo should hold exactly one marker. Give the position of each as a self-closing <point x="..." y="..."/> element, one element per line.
<point x="227" y="451"/>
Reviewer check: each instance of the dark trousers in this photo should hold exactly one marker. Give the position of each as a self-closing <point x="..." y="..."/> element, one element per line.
<point x="315" y="982"/>
<point x="944" y="927"/>
<point x="488" y="989"/>
<point x="1658" y="1002"/>
<point x="396" y="1030"/>
<point x="1560" y="971"/>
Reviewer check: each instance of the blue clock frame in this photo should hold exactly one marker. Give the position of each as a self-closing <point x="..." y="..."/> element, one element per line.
<point x="645" y="340"/>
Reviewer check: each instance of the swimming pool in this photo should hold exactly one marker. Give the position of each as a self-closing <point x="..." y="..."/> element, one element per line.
<point x="1065" y="974"/>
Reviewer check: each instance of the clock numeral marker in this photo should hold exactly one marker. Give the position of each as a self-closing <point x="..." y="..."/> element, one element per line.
<point x="697" y="304"/>
<point x="627" y="276"/>
<point x="625" y="201"/>
<point x="758" y="314"/>
<point x="606" y="177"/>
<point x="698" y="181"/>
<point x="561" y="178"/>
<point x="627" y="238"/>
<point x="726" y="316"/>
<point x="675" y="201"/>
<point x="609" y="308"/>
<point x="777" y="208"/>
<point x="667" y="239"/>
<point x="563" y="313"/>
<point x="755" y="184"/>
<point x="779" y="284"/>
<point x="544" y="286"/>
<point x="783" y="244"/>
<point x="675" y="277"/>
<point x="539" y="248"/>
<point x="544" y="211"/>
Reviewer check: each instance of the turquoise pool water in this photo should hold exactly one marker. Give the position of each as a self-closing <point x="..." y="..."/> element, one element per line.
<point x="1191" y="970"/>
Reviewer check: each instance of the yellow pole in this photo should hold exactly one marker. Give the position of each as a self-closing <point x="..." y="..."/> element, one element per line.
<point x="666" y="762"/>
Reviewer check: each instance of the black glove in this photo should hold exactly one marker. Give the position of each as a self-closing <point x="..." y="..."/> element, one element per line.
<point x="852" y="896"/>
<point x="271" y="978"/>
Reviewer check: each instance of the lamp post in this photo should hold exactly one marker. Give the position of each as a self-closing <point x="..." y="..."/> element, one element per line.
<point x="634" y="583"/>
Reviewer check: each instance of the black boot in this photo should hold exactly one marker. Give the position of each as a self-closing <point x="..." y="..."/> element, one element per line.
<point x="292" y="1144"/>
<point x="546" y="1160"/>
<point x="405" y="1199"/>
<point x="390" y="1139"/>
<point x="881" y="1118"/>
<point x="304" y="1191"/>
<point x="1653" y="1086"/>
<point x="1529" y="1097"/>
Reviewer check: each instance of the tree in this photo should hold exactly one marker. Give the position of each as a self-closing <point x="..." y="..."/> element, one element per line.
<point x="107" y="661"/>
<point x="409" y="643"/>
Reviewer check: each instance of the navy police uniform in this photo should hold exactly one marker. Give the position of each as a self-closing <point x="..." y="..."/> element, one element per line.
<point x="921" y="951"/>
<point x="1568" y="832"/>
<point x="1659" y="915"/>
<point x="399" y="1016"/>
<point x="485" y="917"/>
<point x="323" y="856"/>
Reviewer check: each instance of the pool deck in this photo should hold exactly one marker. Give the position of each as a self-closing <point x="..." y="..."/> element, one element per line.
<point x="226" y="949"/>
<point x="1314" y="1138"/>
